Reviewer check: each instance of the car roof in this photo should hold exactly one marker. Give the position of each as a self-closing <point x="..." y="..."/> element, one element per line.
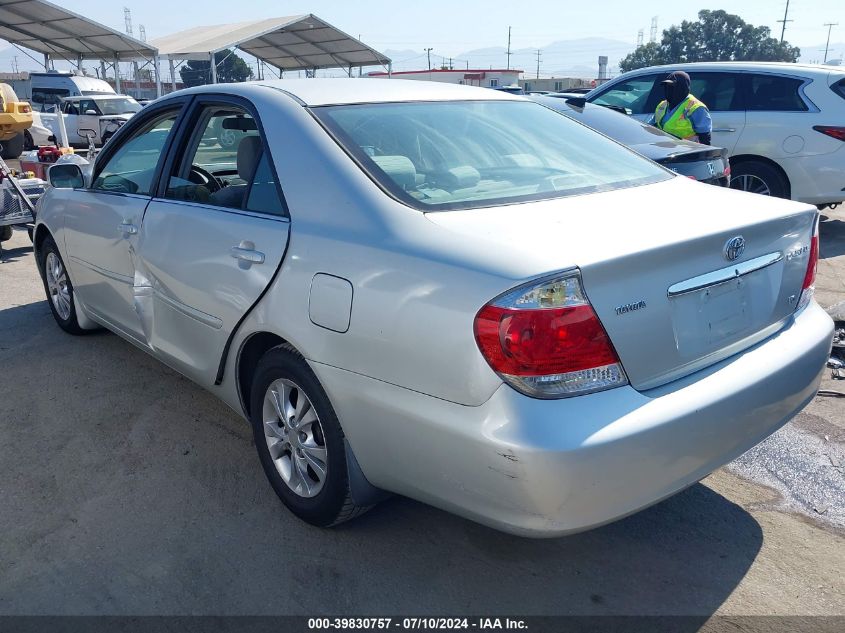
<point x="781" y="67"/>
<point x="320" y="92"/>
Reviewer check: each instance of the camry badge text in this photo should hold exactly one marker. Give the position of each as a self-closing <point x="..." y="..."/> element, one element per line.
<point x="630" y="307"/>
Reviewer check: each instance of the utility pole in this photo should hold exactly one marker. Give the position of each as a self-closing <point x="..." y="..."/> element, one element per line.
<point x="829" y="26"/>
<point x="785" y="14"/>
<point x="428" y="54"/>
<point x="538" y="54"/>
<point x="509" y="48"/>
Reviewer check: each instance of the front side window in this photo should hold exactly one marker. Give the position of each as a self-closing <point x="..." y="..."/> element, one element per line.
<point x="634" y="94"/>
<point x="451" y="155"/>
<point x="130" y="169"/>
<point x="87" y="105"/>
<point x="225" y="164"/>
<point x="770" y="93"/>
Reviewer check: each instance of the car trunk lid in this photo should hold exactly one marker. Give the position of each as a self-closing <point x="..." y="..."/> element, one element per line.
<point x="656" y="267"/>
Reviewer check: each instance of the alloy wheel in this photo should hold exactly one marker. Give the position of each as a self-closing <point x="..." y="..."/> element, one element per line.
<point x="57" y="285"/>
<point x="750" y="183"/>
<point x="295" y="438"/>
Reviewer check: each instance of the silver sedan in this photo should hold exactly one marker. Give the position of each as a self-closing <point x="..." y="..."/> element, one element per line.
<point x="444" y="292"/>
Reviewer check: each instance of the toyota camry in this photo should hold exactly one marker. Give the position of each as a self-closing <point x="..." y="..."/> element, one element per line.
<point x="444" y="292"/>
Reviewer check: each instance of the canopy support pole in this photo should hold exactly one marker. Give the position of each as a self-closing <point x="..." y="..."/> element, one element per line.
<point x="46" y="62"/>
<point x="213" y="69"/>
<point x="172" y="75"/>
<point x="157" y="64"/>
<point x="117" y="73"/>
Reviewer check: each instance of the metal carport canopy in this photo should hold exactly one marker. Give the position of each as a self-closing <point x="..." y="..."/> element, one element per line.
<point x="299" y="42"/>
<point x="55" y="31"/>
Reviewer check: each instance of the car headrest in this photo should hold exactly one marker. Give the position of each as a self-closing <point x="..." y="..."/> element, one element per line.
<point x="400" y="169"/>
<point x="249" y="151"/>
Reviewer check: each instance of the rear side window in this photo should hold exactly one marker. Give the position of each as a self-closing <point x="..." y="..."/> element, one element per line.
<point x="720" y="92"/>
<point x="839" y="88"/>
<point x="770" y="93"/>
<point x="634" y="94"/>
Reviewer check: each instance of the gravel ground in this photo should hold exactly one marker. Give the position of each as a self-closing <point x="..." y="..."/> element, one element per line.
<point x="126" y="489"/>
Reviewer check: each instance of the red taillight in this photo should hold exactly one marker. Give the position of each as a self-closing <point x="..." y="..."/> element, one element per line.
<point x="832" y="131"/>
<point x="545" y="340"/>
<point x="727" y="171"/>
<point x="808" y="288"/>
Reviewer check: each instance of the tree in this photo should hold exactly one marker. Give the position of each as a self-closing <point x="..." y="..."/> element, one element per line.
<point x="230" y="68"/>
<point x="717" y="36"/>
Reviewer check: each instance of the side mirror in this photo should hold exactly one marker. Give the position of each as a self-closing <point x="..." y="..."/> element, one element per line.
<point x="65" y="176"/>
<point x="91" y="112"/>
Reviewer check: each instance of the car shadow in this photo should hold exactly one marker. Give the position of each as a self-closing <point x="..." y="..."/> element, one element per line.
<point x="147" y="492"/>
<point x="831" y="237"/>
<point x="9" y="255"/>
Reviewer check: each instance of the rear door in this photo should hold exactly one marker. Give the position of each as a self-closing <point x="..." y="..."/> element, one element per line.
<point x="102" y="221"/>
<point x="722" y="93"/>
<point x="211" y="240"/>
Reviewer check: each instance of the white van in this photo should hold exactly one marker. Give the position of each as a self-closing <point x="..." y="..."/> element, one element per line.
<point x="46" y="90"/>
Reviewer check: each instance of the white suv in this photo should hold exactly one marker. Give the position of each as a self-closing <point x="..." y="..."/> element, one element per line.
<point x="783" y="124"/>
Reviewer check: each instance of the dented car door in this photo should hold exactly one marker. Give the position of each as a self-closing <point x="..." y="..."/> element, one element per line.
<point x="191" y="294"/>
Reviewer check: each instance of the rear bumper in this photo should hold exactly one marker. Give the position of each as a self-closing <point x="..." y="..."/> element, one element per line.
<point x="547" y="468"/>
<point x="818" y="179"/>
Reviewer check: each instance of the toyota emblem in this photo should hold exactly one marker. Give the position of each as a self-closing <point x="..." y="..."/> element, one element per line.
<point x="734" y="248"/>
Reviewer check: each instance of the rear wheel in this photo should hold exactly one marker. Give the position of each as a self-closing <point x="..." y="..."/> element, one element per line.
<point x="299" y="440"/>
<point x="5" y="233"/>
<point x="28" y="143"/>
<point x="13" y="148"/>
<point x="58" y="287"/>
<point x="759" y="177"/>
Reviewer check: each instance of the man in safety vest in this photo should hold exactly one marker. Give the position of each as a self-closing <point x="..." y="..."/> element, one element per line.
<point x="681" y="114"/>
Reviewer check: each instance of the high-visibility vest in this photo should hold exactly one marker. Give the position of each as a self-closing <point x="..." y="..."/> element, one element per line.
<point x="679" y="123"/>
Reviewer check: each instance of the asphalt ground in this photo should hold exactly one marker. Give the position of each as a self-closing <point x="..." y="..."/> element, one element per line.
<point x="127" y="490"/>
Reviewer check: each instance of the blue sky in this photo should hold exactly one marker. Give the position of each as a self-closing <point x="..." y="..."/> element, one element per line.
<point x="456" y="26"/>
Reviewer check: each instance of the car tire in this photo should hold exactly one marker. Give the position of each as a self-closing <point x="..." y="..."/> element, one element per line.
<point x="28" y="143"/>
<point x="58" y="287"/>
<point x="5" y="233"/>
<point x="292" y="434"/>
<point x="13" y="148"/>
<point x="759" y="177"/>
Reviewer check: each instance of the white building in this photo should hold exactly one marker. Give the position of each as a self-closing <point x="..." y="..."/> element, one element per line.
<point x="492" y="78"/>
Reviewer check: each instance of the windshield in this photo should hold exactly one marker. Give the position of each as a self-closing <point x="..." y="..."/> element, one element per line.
<point x="125" y="105"/>
<point x="457" y="155"/>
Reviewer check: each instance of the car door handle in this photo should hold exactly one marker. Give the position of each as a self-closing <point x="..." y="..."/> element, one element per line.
<point x="724" y="129"/>
<point x="249" y="255"/>
<point x="127" y="228"/>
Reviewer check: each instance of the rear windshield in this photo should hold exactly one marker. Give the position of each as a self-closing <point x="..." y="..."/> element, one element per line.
<point x="465" y="154"/>
<point x="618" y="126"/>
<point x="839" y="88"/>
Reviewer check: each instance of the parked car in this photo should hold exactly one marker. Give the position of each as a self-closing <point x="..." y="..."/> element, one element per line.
<point x="441" y="291"/>
<point x="102" y="114"/>
<point x="783" y="124"/>
<point x="701" y="162"/>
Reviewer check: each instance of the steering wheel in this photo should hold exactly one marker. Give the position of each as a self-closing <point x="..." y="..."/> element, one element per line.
<point x="200" y="176"/>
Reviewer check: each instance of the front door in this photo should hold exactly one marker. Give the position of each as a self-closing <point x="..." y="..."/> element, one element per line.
<point x="211" y="242"/>
<point x="102" y="222"/>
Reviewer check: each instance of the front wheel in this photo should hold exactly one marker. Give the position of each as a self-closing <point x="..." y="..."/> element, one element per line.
<point x="58" y="287"/>
<point x="299" y="440"/>
<point x="759" y="177"/>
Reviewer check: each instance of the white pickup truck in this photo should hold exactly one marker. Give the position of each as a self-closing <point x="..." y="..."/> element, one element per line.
<point x="102" y="114"/>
